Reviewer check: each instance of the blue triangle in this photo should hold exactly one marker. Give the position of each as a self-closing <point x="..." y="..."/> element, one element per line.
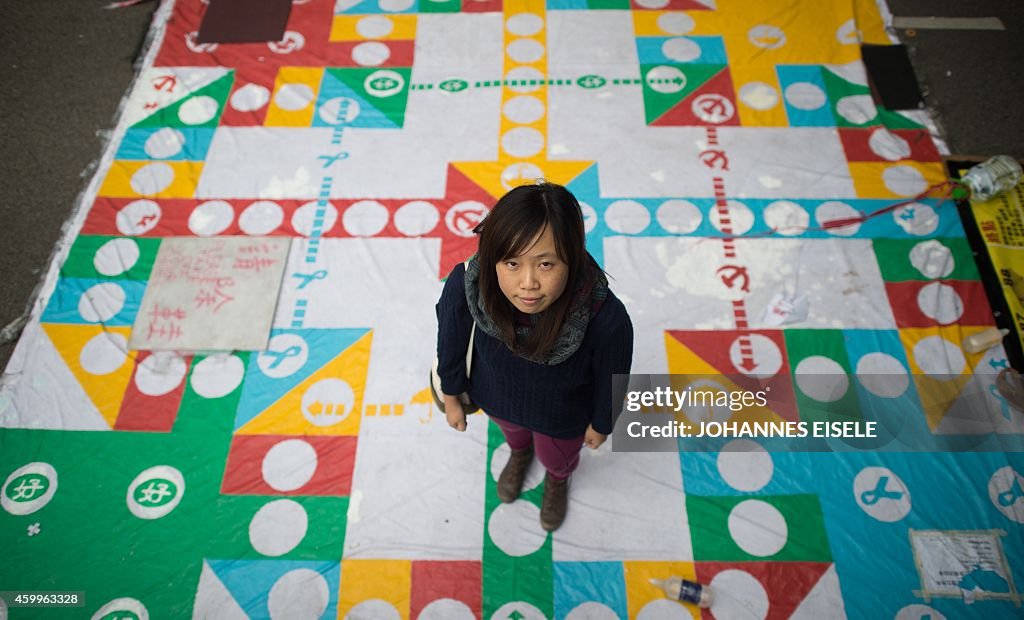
<point x="369" y="116"/>
<point x="587" y="188"/>
<point x="250" y="581"/>
<point x="260" y="391"/>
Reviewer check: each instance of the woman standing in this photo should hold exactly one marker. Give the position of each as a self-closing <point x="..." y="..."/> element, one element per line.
<point x="550" y="336"/>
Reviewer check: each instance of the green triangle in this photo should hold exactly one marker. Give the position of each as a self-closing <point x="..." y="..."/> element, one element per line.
<point x="895" y="120"/>
<point x="168" y="117"/>
<point x="392" y="106"/>
<point x="657" y="103"/>
<point x="838" y="88"/>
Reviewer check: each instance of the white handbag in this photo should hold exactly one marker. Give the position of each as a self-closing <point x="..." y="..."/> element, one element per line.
<point x="468" y="405"/>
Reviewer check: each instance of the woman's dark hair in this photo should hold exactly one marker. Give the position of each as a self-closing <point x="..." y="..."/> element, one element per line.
<point x="520" y="217"/>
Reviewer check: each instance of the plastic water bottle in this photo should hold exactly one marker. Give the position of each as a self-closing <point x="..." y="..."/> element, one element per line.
<point x="976" y="343"/>
<point x="686" y="591"/>
<point x="993" y="177"/>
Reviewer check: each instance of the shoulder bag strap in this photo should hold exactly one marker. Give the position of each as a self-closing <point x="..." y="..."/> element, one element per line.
<point x="472" y="336"/>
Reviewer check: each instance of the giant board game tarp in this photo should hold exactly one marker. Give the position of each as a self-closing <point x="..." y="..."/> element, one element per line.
<point x="758" y="213"/>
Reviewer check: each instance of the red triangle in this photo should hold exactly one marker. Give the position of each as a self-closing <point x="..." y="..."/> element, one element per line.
<point x="681" y="114"/>
<point x="907" y="310"/>
<point x="459" y="187"/>
<point x="713" y="347"/>
<point x="857" y="144"/>
<point x="787" y="584"/>
<point x="456" y="249"/>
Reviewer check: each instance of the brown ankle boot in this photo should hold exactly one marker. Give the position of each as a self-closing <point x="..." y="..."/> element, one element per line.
<point x="555" y="503"/>
<point x="510" y="482"/>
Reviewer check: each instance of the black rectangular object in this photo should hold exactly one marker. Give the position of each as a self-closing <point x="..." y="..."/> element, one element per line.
<point x="244" y="21"/>
<point x="892" y="76"/>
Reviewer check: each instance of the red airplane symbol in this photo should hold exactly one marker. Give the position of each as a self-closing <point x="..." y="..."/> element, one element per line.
<point x="289" y="43"/>
<point x="168" y="81"/>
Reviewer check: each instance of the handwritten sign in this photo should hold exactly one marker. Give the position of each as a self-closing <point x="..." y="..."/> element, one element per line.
<point x="211" y="294"/>
<point x="968" y="564"/>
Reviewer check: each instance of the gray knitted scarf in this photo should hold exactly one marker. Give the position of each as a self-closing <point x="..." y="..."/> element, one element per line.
<point x="587" y="298"/>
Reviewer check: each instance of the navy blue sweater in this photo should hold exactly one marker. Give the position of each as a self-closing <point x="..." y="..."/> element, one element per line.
<point x="559" y="400"/>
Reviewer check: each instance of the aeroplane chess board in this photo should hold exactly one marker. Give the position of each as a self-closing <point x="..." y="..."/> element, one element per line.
<point x="757" y="212"/>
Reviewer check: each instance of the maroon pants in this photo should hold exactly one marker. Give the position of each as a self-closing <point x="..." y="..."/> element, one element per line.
<point x="559" y="456"/>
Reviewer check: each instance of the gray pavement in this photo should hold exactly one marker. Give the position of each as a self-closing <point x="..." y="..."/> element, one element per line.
<point x="65" y="66"/>
<point x="973" y="79"/>
<point x="67" y="63"/>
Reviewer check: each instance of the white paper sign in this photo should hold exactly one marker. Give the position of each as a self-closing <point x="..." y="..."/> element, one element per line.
<point x="214" y="294"/>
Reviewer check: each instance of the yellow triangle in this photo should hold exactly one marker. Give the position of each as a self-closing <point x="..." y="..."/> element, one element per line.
<point x="682" y="360"/>
<point x="687" y="367"/>
<point x="291" y="415"/>
<point x="106" y="344"/>
<point x="937" y="396"/>
<point x="497" y="177"/>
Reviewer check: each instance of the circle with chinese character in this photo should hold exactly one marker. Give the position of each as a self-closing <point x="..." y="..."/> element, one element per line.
<point x="29" y="488"/>
<point x="384" y="83"/>
<point x="155" y="492"/>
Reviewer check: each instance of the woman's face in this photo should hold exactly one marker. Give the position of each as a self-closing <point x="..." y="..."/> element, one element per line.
<point x="536" y="278"/>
